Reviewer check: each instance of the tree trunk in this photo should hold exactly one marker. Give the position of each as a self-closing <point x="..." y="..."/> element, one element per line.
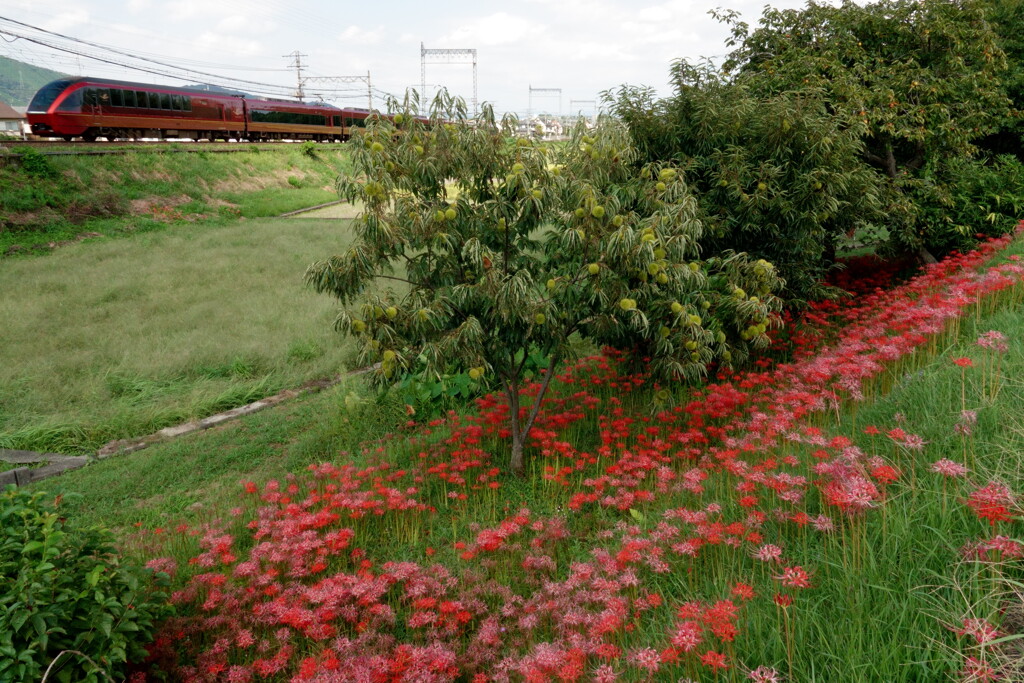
<point x="518" y="466"/>
<point x="926" y="256"/>
<point x="512" y="389"/>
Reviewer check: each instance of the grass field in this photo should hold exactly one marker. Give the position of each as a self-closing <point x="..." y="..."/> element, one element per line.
<point x="117" y="338"/>
<point x="889" y="586"/>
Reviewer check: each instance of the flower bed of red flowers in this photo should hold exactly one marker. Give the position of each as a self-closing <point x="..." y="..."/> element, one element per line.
<point x="639" y="549"/>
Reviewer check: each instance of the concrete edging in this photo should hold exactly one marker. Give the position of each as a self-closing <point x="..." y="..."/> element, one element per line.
<point x="59" y="464"/>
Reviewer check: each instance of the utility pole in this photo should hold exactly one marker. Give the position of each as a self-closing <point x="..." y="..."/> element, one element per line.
<point x="445" y="56"/>
<point x="297" y="65"/>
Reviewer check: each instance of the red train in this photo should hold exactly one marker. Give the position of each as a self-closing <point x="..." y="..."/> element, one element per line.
<point x="91" y="108"/>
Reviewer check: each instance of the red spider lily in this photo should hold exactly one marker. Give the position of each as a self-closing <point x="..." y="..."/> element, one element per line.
<point x="948" y="468"/>
<point x="764" y="674"/>
<point x="714" y="660"/>
<point x="992" y="502"/>
<point x="783" y="600"/>
<point x="976" y="671"/>
<point x="979" y="629"/>
<point x="794" y="577"/>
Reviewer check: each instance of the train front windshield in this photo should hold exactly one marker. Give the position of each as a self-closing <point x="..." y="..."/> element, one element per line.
<point x="46" y="95"/>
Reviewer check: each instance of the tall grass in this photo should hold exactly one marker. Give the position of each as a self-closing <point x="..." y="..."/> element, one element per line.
<point x="115" y="339"/>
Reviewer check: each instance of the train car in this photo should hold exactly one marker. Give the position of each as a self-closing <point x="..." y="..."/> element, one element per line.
<point x="268" y="119"/>
<point x="91" y="108"/>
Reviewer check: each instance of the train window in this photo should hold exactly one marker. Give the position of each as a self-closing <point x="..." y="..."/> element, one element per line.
<point x="73" y="102"/>
<point x="47" y="95"/>
<point x="129" y="98"/>
<point x="89" y="97"/>
<point x="103" y="97"/>
<point x="142" y="99"/>
<point x="337" y="121"/>
<point x="165" y="101"/>
<point x="117" y="97"/>
<point x="264" y="116"/>
<point x="187" y="102"/>
<point x="176" y="102"/>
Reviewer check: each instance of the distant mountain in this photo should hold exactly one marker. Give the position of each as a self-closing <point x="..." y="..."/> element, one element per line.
<point x="20" y="81"/>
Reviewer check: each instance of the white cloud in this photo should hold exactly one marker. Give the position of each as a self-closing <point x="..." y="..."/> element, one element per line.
<point x="66" y="21"/>
<point x="238" y="23"/>
<point x="221" y="45"/>
<point x="495" y="29"/>
<point x="355" y="35"/>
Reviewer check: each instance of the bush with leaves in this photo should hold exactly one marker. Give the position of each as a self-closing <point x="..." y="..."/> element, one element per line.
<point x="65" y="595"/>
<point x="1007" y="20"/>
<point x="778" y="177"/>
<point x="970" y="198"/>
<point x="919" y="81"/>
<point x="501" y="249"/>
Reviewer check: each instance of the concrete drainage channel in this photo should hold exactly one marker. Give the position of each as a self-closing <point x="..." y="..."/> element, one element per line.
<point x="39" y="466"/>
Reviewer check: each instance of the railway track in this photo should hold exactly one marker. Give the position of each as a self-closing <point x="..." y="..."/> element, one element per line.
<point x="61" y="148"/>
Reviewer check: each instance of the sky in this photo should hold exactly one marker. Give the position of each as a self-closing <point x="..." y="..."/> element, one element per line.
<point x="581" y="47"/>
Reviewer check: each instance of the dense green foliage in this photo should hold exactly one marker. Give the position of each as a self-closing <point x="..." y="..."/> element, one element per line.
<point x="63" y="588"/>
<point x="776" y="176"/>
<point x="881" y="107"/>
<point x="1007" y="20"/>
<point x="527" y="249"/>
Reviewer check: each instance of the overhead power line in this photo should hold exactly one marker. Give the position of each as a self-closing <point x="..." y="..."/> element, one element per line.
<point x="277" y="89"/>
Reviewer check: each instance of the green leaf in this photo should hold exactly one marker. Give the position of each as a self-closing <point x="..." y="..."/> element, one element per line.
<point x="31" y="546"/>
<point x="636" y="514"/>
<point x="40" y="626"/>
<point x="93" y="577"/>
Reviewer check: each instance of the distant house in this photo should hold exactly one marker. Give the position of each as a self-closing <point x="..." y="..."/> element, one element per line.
<point x="10" y="121"/>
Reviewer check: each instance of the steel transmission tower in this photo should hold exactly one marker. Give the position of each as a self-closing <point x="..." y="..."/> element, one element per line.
<point x="445" y="56"/>
<point x="544" y="92"/>
<point x="337" y="80"/>
<point x="573" y="110"/>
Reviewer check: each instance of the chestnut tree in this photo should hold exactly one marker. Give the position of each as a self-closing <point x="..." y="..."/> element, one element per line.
<point x="475" y="250"/>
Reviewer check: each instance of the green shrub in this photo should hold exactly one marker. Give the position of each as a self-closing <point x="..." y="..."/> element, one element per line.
<point x="963" y="199"/>
<point x="64" y="588"/>
<point x="36" y="164"/>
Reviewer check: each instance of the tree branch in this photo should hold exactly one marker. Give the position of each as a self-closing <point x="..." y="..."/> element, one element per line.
<point x="555" y="360"/>
<point x="402" y="279"/>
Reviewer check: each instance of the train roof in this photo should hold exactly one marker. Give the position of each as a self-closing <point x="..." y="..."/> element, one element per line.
<point x="210" y="90"/>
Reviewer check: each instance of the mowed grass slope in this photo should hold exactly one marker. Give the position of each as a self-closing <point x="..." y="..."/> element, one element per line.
<point x="114" y="339"/>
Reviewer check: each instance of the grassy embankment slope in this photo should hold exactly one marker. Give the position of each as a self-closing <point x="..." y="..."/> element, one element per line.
<point x="46" y="201"/>
<point x="189" y="311"/>
<point x="888" y="585"/>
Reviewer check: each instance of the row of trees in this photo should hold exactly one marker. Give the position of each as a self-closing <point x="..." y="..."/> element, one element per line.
<point x="884" y="120"/>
